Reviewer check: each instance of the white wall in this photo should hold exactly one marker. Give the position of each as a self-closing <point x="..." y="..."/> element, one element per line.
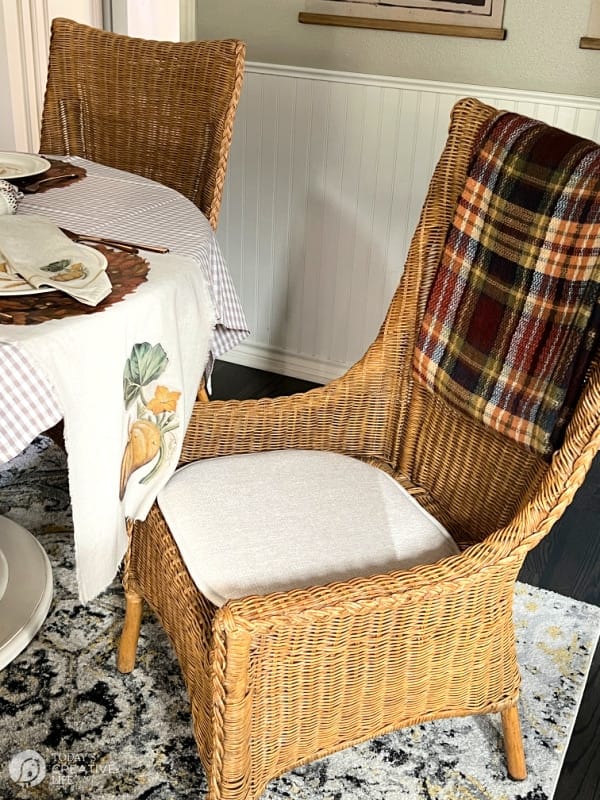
<point x="147" y="19"/>
<point x="24" y="40"/>
<point x="327" y="176"/>
<point x="336" y="137"/>
<point x="163" y="20"/>
<point x="7" y="130"/>
<point x="541" y="51"/>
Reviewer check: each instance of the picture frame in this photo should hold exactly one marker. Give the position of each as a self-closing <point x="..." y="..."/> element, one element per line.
<point x="473" y="18"/>
<point x="592" y="40"/>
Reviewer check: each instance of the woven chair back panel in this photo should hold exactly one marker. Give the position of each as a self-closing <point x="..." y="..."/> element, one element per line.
<point x="397" y="337"/>
<point x="157" y="109"/>
<point x="479" y="477"/>
<point x="94" y="132"/>
<point x="342" y="695"/>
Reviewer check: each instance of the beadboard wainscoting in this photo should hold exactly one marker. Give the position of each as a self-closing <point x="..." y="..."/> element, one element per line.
<point x="327" y="175"/>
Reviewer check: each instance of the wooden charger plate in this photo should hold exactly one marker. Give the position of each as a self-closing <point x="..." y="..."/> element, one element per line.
<point x="55" y="170"/>
<point x="125" y="270"/>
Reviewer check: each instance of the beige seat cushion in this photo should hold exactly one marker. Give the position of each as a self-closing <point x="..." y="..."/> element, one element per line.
<point x="286" y="519"/>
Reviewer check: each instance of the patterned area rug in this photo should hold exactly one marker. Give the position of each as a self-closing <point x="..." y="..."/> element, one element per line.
<point x="98" y="734"/>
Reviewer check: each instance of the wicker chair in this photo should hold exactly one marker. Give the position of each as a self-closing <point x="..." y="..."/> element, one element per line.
<point x="163" y="110"/>
<point x="400" y="648"/>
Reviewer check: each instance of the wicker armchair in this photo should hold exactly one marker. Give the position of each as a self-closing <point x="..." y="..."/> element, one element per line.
<point x="413" y="645"/>
<point x="163" y="110"/>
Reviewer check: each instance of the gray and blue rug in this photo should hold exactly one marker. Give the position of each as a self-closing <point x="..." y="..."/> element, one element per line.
<point x="72" y="727"/>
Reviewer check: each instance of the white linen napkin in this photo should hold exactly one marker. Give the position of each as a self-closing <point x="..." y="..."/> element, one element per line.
<point x="35" y="249"/>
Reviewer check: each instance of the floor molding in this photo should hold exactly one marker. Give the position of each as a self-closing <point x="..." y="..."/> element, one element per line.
<point x="271" y="359"/>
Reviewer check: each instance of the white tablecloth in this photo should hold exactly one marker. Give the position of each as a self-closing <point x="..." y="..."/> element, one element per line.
<point x="126" y="379"/>
<point x="109" y="202"/>
<point x="90" y="369"/>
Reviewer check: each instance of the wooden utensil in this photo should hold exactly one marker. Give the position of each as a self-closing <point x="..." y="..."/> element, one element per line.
<point x="84" y="237"/>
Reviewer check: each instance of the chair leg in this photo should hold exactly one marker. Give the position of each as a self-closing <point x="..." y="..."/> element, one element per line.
<point x="131" y="632"/>
<point x="202" y="394"/>
<point x="513" y="743"/>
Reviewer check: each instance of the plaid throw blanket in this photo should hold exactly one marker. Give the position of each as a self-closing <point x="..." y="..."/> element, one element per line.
<point x="512" y="320"/>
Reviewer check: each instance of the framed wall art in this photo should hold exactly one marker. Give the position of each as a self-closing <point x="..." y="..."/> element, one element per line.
<point x="479" y="18"/>
<point x="592" y="40"/>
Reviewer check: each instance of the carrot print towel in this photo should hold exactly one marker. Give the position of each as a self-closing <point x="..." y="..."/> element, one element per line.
<point x="512" y="319"/>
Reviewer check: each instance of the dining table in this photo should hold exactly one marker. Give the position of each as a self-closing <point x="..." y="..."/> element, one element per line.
<point x="122" y="375"/>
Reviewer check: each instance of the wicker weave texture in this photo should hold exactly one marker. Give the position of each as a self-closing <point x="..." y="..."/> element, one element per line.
<point x="282" y="679"/>
<point x="164" y="110"/>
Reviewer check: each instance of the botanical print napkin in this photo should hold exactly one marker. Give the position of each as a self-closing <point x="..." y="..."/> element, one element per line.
<point x="33" y="248"/>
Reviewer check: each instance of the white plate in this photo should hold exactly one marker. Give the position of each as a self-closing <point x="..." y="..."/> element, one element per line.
<point x="21" y="165"/>
<point x="89" y="258"/>
<point x="22" y="287"/>
<point x="28" y="590"/>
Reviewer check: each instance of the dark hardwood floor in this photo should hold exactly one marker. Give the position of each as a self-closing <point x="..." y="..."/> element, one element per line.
<point x="567" y="561"/>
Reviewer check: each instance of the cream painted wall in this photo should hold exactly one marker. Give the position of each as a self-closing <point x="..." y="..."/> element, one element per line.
<point x="541" y="51"/>
<point x="24" y="38"/>
<point x="7" y="132"/>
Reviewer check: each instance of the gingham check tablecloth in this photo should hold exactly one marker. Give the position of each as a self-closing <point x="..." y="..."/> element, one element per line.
<point x="109" y="202"/>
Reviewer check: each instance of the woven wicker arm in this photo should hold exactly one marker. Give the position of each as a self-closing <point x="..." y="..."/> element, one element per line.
<point x="570" y="464"/>
<point x="345" y="416"/>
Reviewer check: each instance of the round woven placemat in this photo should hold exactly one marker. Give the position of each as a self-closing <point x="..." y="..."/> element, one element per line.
<point x="125" y="270"/>
<point x="55" y="169"/>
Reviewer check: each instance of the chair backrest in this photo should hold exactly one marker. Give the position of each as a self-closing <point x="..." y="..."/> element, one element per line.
<point x="163" y="110"/>
<point x="476" y="479"/>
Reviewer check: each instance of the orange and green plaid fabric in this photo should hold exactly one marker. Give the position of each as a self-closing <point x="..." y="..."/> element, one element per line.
<point x="512" y="320"/>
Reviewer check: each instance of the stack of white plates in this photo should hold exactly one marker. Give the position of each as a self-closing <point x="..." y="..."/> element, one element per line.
<point x="25" y="589"/>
